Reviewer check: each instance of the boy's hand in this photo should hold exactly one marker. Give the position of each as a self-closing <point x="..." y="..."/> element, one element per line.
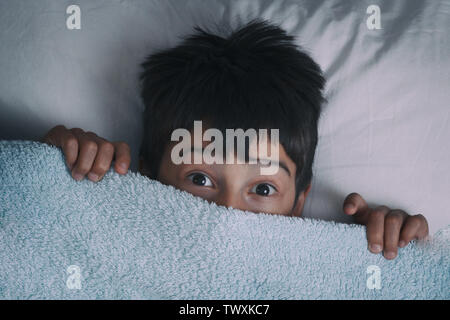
<point x="386" y="229"/>
<point x="87" y="153"/>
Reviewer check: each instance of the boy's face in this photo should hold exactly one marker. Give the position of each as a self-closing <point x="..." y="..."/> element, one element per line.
<point x="240" y="186"/>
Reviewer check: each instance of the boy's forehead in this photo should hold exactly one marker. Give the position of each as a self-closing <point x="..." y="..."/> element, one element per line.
<point x="250" y="144"/>
<point x="284" y="160"/>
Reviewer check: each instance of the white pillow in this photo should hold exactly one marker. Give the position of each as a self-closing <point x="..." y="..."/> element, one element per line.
<point x="384" y="132"/>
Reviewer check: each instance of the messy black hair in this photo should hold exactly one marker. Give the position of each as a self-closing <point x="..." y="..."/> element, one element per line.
<point x="257" y="77"/>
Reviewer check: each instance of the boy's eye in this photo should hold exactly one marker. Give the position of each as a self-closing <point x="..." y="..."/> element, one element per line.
<point x="264" y="189"/>
<point x="200" y="179"/>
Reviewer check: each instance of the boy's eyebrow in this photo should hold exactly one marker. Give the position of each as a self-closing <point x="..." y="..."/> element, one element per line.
<point x="280" y="163"/>
<point x="283" y="165"/>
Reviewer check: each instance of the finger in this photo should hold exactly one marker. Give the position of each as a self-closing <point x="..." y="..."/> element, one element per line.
<point x="392" y="225"/>
<point x="409" y="231"/>
<point x="375" y="228"/>
<point x="87" y="155"/>
<point x="70" y="149"/>
<point x="71" y="145"/>
<point x="423" y="231"/>
<point x="354" y="203"/>
<point x="59" y="136"/>
<point x="103" y="159"/>
<point x="122" y="157"/>
<point x="415" y="227"/>
<point x="54" y="136"/>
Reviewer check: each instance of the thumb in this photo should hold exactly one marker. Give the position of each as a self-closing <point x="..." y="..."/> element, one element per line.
<point x="354" y="203"/>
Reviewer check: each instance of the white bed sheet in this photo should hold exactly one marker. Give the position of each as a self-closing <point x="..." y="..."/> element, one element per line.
<point x="384" y="133"/>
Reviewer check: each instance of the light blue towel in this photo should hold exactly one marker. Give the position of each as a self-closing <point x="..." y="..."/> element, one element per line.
<point x="132" y="237"/>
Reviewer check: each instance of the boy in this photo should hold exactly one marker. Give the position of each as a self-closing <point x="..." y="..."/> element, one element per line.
<point x="255" y="78"/>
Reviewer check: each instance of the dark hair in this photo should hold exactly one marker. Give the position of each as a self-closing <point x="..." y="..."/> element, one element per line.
<point x="257" y="77"/>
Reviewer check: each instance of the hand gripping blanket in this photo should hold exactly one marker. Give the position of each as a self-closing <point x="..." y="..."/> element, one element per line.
<point x="129" y="237"/>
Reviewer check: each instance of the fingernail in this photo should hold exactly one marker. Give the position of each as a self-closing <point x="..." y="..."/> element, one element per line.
<point x="390" y="255"/>
<point x="78" y="176"/>
<point x="93" y="176"/>
<point x="375" y="248"/>
<point x="123" y="167"/>
<point x="401" y="244"/>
